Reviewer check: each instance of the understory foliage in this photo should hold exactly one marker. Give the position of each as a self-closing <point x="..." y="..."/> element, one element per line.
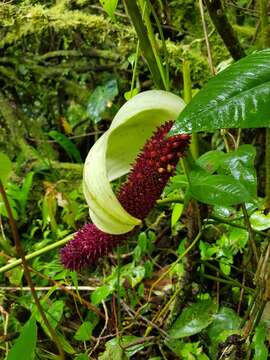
<point x="192" y="282"/>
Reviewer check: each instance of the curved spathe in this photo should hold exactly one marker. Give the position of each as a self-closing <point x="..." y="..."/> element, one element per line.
<point x="115" y="151"/>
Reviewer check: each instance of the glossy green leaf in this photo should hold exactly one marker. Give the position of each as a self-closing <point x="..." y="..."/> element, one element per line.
<point x="236" y="165"/>
<point x="84" y="332"/>
<point x="101" y="98"/>
<point x="225" y="319"/>
<point x="109" y="6"/>
<point x="238" y="97"/>
<point x="66" y="144"/>
<point x="24" y="346"/>
<point x="211" y="160"/>
<point x="217" y="189"/>
<point x="240" y="164"/>
<point x="193" y="319"/>
<point x="5" y="167"/>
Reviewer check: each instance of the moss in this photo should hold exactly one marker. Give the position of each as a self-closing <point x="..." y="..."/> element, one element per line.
<point x="33" y="20"/>
<point x="194" y="53"/>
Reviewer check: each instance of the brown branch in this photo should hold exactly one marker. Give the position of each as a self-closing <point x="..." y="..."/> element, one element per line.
<point x="89" y="53"/>
<point x="224" y="28"/>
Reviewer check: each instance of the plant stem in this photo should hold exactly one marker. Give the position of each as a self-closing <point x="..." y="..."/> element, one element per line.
<point x="194" y="148"/>
<point x="229" y="282"/>
<point x="34" y="254"/>
<point x="134" y="70"/>
<point x="230" y="223"/>
<point x="165" y="52"/>
<point x="146" y="7"/>
<point x="20" y="252"/>
<point x="145" y="45"/>
<point x="265" y="40"/>
<point x="174" y="199"/>
<point x="267" y="166"/>
<point x="187" y="82"/>
<point x="250" y="233"/>
<point x="210" y="60"/>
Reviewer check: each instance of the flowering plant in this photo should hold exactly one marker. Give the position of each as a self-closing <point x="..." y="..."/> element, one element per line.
<point x="123" y="144"/>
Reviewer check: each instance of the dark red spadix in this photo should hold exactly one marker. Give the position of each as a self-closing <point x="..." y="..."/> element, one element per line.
<point x="149" y="175"/>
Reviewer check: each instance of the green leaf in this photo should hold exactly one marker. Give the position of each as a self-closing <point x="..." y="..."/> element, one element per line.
<point x="12" y="203"/>
<point x="211" y="160"/>
<point x="24" y="191"/>
<point x="238" y="97"/>
<point x="54" y="313"/>
<point x="193" y="319"/>
<point x="129" y="94"/>
<point x="101" y="293"/>
<point x="109" y="6"/>
<point x="24" y="346"/>
<point x="217" y="189"/>
<point x="113" y="351"/>
<point x="74" y="279"/>
<point x="260" y="221"/>
<point x="225" y="323"/>
<point x="135" y="275"/>
<point x="225" y="319"/>
<point x="15" y="276"/>
<point x="240" y="164"/>
<point x="101" y="99"/>
<point x="258" y="343"/>
<point x="65" y="343"/>
<point x="186" y="351"/>
<point x="66" y="144"/>
<point x="207" y="251"/>
<point x="126" y="341"/>
<point x="5" y="167"/>
<point x="176" y="213"/>
<point x="84" y="332"/>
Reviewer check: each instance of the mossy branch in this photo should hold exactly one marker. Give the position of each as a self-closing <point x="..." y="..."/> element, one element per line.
<point x="224" y="28"/>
